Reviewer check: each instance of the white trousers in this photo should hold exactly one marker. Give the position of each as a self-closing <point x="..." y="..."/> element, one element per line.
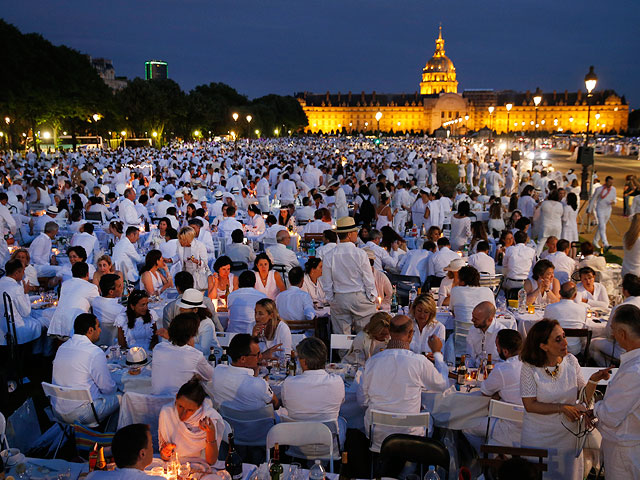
<point x="603" y="216"/>
<point x="350" y="311"/>
<point x="621" y="462"/>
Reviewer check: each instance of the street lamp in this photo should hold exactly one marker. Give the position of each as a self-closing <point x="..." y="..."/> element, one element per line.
<point x="154" y="134"/>
<point x="590" y="81"/>
<point x="249" y="118"/>
<point x="491" y="109"/>
<point x="46" y="135"/>
<point x="508" y="106"/>
<point x="235" y="117"/>
<point x="537" y="98"/>
<point x="378" y="117"/>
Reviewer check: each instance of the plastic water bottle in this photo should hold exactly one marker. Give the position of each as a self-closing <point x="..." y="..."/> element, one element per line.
<point x="431" y="474"/>
<point x="413" y="294"/>
<point x="312" y="248"/>
<point x="522" y="301"/>
<point x="317" y="472"/>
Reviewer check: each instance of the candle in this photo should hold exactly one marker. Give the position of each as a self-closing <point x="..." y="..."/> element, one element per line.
<point x="459" y="253"/>
<point x="531" y="308"/>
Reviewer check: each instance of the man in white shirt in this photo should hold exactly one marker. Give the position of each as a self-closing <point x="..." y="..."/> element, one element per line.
<point x="237" y="385"/>
<point x="618" y="413"/>
<point x="294" y="303"/>
<point x="280" y="254"/>
<point x="563" y="263"/>
<point x="132" y="449"/>
<point x="175" y="362"/>
<point x="481" y="260"/>
<point x="242" y="304"/>
<point x="347" y="281"/>
<point x="40" y="252"/>
<point x="517" y="262"/>
<point x="315" y="395"/>
<point x="383" y="259"/>
<point x="505" y="382"/>
<point x="50" y="216"/>
<point x="394" y="379"/>
<point x="481" y="340"/>
<point x="27" y="328"/>
<point x="321" y="221"/>
<point x="306" y="212"/>
<point x="203" y="235"/>
<point x="414" y="262"/>
<point x="286" y="190"/>
<point x="108" y="308"/>
<point x="569" y="314"/>
<point x="439" y="260"/>
<point x="81" y="364"/>
<point x="342" y="209"/>
<point x="127" y="208"/>
<point x="229" y="224"/>
<point x="125" y="255"/>
<point x="76" y="297"/>
<point x="602" y="201"/>
<point x="86" y="239"/>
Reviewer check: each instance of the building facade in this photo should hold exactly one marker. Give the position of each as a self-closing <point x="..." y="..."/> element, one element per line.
<point x="438" y="104"/>
<point x="156" y="70"/>
<point x="107" y="72"/>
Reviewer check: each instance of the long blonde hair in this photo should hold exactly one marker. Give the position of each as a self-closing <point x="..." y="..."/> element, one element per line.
<point x="428" y="303"/>
<point x="270" y="306"/>
<point x="631" y="236"/>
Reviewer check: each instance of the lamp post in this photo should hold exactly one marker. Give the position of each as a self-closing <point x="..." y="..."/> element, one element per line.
<point x="249" y="118"/>
<point x="378" y="117"/>
<point x="590" y="81"/>
<point x="508" y="106"/>
<point x="491" y="109"/>
<point x="537" y="98"/>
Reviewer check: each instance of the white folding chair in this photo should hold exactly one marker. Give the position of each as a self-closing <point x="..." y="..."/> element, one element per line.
<point x="298" y="434"/>
<point x="82" y="395"/>
<point x="250" y="427"/>
<point x="340" y="342"/>
<point x="143" y="408"/>
<point x="315" y="451"/>
<point x="504" y="411"/>
<point x="296" y="338"/>
<point x="460" y="332"/>
<point x="224" y="338"/>
<point x="395" y="423"/>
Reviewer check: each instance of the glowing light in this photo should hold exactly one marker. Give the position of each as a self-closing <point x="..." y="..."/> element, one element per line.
<point x="196" y="133"/>
<point x="64" y="133"/>
<point x="154" y="134"/>
<point x="123" y="133"/>
<point x="235" y="117"/>
<point x="7" y="120"/>
<point x="597" y="116"/>
<point x="571" y="119"/>
<point x="276" y="131"/>
<point x="543" y="122"/>
<point x="509" y="106"/>
<point x="378" y="116"/>
<point x="96" y="117"/>
<point x="249" y="118"/>
<point x="46" y="135"/>
<point x="491" y="109"/>
<point x="537" y="97"/>
<point x="590" y="80"/>
<point x="1" y="134"/>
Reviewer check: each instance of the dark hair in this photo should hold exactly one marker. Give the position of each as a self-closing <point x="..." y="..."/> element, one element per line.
<point x="108" y="283"/>
<point x="313" y="351"/>
<point x="237" y="236"/>
<point x="183" y="280"/>
<point x="296" y="275"/>
<point x="12" y="266"/>
<point x="443" y="242"/>
<point x="540" y="268"/>
<point x="586" y="248"/>
<point x="117" y="225"/>
<point x="254" y="208"/>
<point x="539" y="333"/>
<point x="554" y="195"/>
<point x="464" y="209"/>
<point x="220" y="262"/>
<point x="469" y="276"/>
<point x="520" y="236"/>
<point x="83" y="323"/>
<point x="482" y="246"/>
<point x="194" y="220"/>
<point x="183" y="327"/>
<point x="193" y="391"/>
<point x="563" y="244"/>
<point x="428" y="245"/>
<point x="127" y="443"/>
<point x="262" y="256"/>
<point x="79" y="251"/>
<point x="510" y="340"/>
<point x="240" y="346"/>
<point x="330" y="235"/>
<point x="79" y="270"/>
<point x="522" y="223"/>
<point x="87" y="227"/>
<point x="312" y="263"/>
<point x="247" y="279"/>
<point x="586" y="270"/>
<point x="151" y="260"/>
<point x="572" y="200"/>
<point x="171" y="232"/>
<point x="134" y="297"/>
<point x="165" y="220"/>
<point x="631" y="283"/>
<point x="131" y="229"/>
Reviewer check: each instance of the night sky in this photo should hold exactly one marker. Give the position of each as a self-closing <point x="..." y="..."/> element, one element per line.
<point x="278" y="46"/>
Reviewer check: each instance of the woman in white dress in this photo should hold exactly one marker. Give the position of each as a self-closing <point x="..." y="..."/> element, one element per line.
<point x="496" y="222"/>
<point x="190" y="426"/>
<point x="157" y="235"/>
<point x="255" y="224"/>
<point x="461" y="227"/>
<point x="222" y="282"/>
<point x="631" y="245"/>
<point x="373" y="338"/>
<point x="551" y="211"/>
<point x="542" y="287"/>
<point x="268" y="281"/>
<point x="526" y="203"/>
<point x="274" y="334"/>
<point x="591" y="292"/>
<point x="138" y="328"/>
<point x="193" y="255"/>
<point x="423" y="310"/>
<point x="155" y="278"/>
<point x="384" y="214"/>
<point x="550" y="384"/>
<point x="570" y="218"/>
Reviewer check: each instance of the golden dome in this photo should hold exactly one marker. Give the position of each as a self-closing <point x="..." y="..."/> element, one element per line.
<point x="439" y="74"/>
<point x="439" y="62"/>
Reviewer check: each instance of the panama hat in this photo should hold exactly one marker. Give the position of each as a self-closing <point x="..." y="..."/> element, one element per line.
<point x="191" y="298"/>
<point x="346" y="225"/>
<point x="455" y="265"/>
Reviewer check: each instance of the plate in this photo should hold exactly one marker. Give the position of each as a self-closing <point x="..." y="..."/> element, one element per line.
<point x="16" y="459"/>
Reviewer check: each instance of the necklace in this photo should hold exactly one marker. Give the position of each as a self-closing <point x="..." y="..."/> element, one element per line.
<point x="605" y="192"/>
<point x="552" y="373"/>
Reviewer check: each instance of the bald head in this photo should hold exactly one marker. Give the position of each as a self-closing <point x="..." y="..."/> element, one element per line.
<point x="568" y="290"/>
<point x="401" y="328"/>
<point x="283" y="237"/>
<point x="482" y="315"/>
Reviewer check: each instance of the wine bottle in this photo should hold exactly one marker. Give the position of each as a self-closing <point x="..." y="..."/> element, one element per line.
<point x="394" y="301"/>
<point x="212" y="356"/>
<point x="276" y="470"/>
<point x="224" y="359"/>
<point x="233" y="462"/>
<point x="291" y="365"/>
<point x="489" y="367"/>
<point x="344" y="468"/>
<point x="462" y="370"/>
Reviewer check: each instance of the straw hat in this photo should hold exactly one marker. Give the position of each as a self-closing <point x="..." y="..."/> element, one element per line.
<point x="191" y="298"/>
<point x="346" y="225"/>
<point x="455" y="265"/>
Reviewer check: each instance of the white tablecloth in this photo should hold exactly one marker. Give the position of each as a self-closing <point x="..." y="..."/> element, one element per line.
<point x="527" y="320"/>
<point x="40" y="468"/>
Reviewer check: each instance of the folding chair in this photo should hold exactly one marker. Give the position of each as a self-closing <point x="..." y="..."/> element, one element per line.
<point x="495" y="463"/>
<point x="302" y="325"/>
<point x="494" y="282"/>
<point x="504" y="411"/>
<point x="143" y="408"/>
<point x="282" y="270"/>
<point x="403" y="284"/>
<point x="399" y="448"/>
<point x="239" y="267"/>
<point x="583" y="358"/>
<point x="250" y="427"/>
<point x="402" y="421"/>
<point x="224" y="338"/>
<point x="298" y="434"/>
<point x="312" y="451"/>
<point x="340" y="342"/>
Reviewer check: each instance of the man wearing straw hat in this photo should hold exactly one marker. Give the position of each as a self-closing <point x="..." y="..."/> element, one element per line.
<point x="348" y="282"/>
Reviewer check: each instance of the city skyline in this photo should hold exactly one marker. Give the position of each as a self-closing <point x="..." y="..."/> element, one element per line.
<point x="290" y="47"/>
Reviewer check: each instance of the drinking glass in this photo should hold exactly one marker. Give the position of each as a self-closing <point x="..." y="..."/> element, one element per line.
<point x="294" y="471"/>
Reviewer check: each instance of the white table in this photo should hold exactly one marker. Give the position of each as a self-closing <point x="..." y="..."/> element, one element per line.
<point x="526" y="320"/>
<point x="40" y="468"/>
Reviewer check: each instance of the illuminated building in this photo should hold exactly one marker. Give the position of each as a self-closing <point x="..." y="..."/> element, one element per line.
<point x="438" y="104"/>
<point x="105" y="69"/>
<point x="156" y="70"/>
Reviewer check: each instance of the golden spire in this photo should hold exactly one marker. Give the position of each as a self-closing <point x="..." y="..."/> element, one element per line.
<point x="439" y="44"/>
